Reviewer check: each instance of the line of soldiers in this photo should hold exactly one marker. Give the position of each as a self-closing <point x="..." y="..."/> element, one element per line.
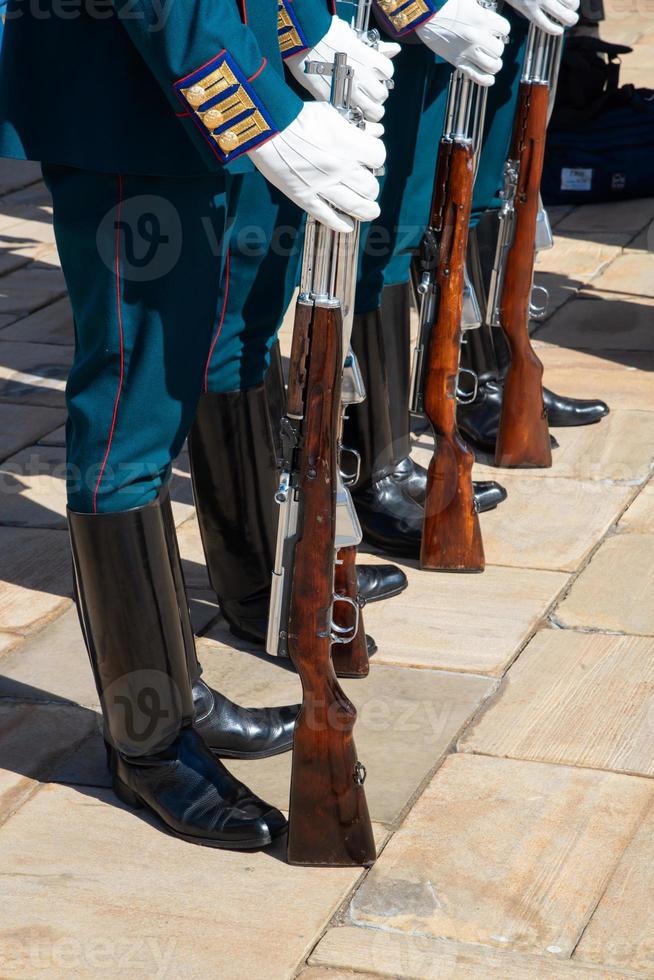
<point x="183" y="146"/>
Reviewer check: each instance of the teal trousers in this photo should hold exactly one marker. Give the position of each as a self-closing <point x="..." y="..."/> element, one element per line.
<point x="265" y="253"/>
<point x="145" y="261"/>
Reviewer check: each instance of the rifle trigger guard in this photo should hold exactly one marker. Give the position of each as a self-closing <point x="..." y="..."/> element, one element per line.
<point x="461" y="396"/>
<point x="360" y="774"/>
<point x="345" y="634"/>
<point x="350" y="479"/>
<point x="537" y="312"/>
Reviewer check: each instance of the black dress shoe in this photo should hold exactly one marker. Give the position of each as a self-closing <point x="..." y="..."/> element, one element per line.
<point x="562" y="411"/>
<point x="195" y="797"/>
<point x="488" y="494"/>
<point x="479" y="421"/>
<point x="378" y="582"/>
<point x="413" y="477"/>
<point x="234" y="732"/>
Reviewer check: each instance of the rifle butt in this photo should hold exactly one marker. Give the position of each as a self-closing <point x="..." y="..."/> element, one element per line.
<point x="523" y="439"/>
<point x="451" y="536"/>
<point x="349" y="659"/>
<point x="329" y="823"/>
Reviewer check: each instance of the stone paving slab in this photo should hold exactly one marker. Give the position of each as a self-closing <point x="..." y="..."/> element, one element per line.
<point x="630" y="273"/>
<point x="512" y="855"/>
<point x="600" y="320"/>
<point x="619" y="448"/>
<point x="26" y="290"/>
<point x="17" y="254"/>
<point x="572" y="515"/>
<point x="23" y="425"/>
<point x="8" y="641"/>
<point x="616" y="217"/>
<point x="35" y="577"/>
<point x="121" y="899"/>
<point x="616" y="590"/>
<point x="18" y="173"/>
<point x="621" y="931"/>
<point x="33" y="487"/>
<point x="55" y="438"/>
<point x="639" y="519"/>
<point x="392" y="954"/>
<point x="51" y="325"/>
<point x="472" y="623"/>
<point x="581" y="259"/>
<point x="580" y="699"/>
<point x="32" y="740"/>
<point x="34" y="374"/>
<point x="625" y="380"/>
<point x="407" y="719"/>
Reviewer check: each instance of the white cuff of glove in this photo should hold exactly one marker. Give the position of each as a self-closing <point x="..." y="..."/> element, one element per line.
<point x="372" y="68"/>
<point x="552" y="16"/>
<point x="468" y="36"/>
<point x="324" y="164"/>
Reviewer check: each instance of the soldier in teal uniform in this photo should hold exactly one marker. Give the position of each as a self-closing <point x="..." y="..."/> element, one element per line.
<point x="232" y="442"/>
<point x="145" y="116"/>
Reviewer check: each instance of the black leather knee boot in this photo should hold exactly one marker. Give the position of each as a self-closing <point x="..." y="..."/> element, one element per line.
<point x="129" y="612"/>
<point x="234" y="472"/>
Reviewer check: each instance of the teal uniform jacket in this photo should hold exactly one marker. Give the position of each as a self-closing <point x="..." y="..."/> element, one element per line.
<point x="143" y="125"/>
<point x="158" y="87"/>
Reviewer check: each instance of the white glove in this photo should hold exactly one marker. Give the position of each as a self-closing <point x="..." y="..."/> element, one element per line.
<point x="372" y="67"/>
<point x="323" y="163"/>
<point x="468" y="36"/>
<point x="552" y="16"/>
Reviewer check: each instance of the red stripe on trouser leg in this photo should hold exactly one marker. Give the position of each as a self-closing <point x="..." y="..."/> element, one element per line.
<point x="119" y="313"/>
<point x="220" y="324"/>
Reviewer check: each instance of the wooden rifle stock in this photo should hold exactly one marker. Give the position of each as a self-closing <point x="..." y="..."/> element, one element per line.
<point x="329" y="824"/>
<point x="349" y="659"/>
<point x="524" y="438"/>
<point x="451" y="539"/>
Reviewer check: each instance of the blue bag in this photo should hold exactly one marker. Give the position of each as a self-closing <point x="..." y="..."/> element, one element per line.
<point x="600" y="144"/>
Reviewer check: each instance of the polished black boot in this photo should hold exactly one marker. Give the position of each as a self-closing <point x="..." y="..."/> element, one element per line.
<point x="234" y="473"/>
<point x="485" y="351"/>
<point x="128" y="607"/>
<point x="375" y="582"/>
<point x="391" y="519"/>
<point x="229" y="730"/>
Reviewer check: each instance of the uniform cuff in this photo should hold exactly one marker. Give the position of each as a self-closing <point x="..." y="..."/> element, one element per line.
<point x="291" y="37"/>
<point x="235" y="113"/>
<point x="401" y="17"/>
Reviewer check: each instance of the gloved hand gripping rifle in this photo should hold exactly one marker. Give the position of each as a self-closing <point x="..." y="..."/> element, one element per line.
<point x="524" y="438"/>
<point x="329" y="824"/>
<point x="451" y="539"/>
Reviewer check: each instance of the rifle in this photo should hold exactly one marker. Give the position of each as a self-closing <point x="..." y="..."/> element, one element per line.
<point x="523" y="438"/>
<point x="350" y="657"/>
<point x="451" y="539"/>
<point x="329" y="823"/>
